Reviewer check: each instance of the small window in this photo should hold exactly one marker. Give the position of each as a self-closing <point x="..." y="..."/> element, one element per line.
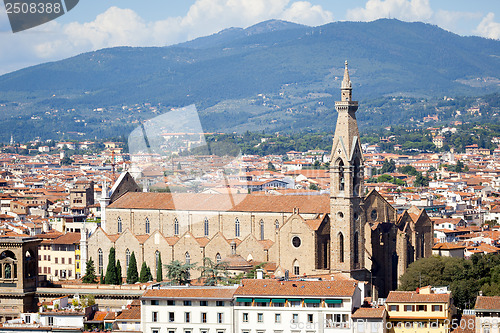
<point x="394" y="308"/>
<point x="203" y="317"/>
<point x="260" y="317"/>
<point x="187" y="303"/>
<point x="295" y="318"/>
<point x="27" y="319"/>
<point x="170" y="302"/>
<point x="220" y="317"/>
<point x="219" y="303"/>
<point x="310" y="318"/>
<point x="422" y="307"/>
<point x="50" y="321"/>
<point x="203" y="303"/>
<point x="187" y="317"/>
<point x="155" y="316"/>
<point x="277" y="318"/>
<point x="155" y="302"/>
<point x="408" y="308"/>
<point x="171" y="317"/>
<point x="437" y="308"/>
<point x="245" y="317"/>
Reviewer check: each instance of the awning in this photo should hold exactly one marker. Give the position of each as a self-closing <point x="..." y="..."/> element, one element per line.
<point x="263" y="300"/>
<point x="312" y="300"/>
<point x="333" y="301"/>
<point x="279" y="300"/>
<point x="243" y="300"/>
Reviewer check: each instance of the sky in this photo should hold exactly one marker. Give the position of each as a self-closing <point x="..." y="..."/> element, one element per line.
<point x="97" y="24"/>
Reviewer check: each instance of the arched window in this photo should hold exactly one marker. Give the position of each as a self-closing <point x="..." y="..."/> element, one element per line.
<point x="356" y="247"/>
<point x="127" y="257"/>
<point x="262" y="230"/>
<point x="157" y="258"/>
<point x="148" y="226"/>
<point x="277" y="224"/>
<point x="341" y="247"/>
<point x="237" y="228"/>
<point x="341" y="176"/>
<point x="218" y="258"/>
<point x="176" y="227"/>
<point x="296" y="267"/>
<point x="188" y="258"/>
<point x="119" y="224"/>
<point x="205" y="227"/>
<point x="101" y="263"/>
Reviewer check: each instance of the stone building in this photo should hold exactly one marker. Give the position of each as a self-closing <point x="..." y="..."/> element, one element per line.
<point x="18" y="276"/>
<point x="349" y="231"/>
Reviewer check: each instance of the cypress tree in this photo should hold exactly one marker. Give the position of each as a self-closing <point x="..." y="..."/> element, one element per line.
<point x="143" y="277"/>
<point x="132" y="275"/>
<point x="119" y="272"/>
<point x="159" y="272"/>
<point x="90" y="276"/>
<point x="101" y="280"/>
<point x="111" y="276"/>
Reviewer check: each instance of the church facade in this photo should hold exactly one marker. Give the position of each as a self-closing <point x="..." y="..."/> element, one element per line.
<point x="347" y="231"/>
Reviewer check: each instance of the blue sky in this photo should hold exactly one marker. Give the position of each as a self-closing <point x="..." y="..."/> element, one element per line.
<point x="96" y="24"/>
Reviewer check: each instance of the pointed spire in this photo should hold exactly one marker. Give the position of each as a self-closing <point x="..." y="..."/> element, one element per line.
<point x="346" y="83"/>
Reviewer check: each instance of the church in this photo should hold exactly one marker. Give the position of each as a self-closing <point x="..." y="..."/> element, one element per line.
<point x="349" y="231"/>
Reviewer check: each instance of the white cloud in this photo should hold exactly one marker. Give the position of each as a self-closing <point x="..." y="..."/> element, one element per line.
<point x="457" y="22"/>
<point x="124" y="27"/>
<point x="488" y="27"/>
<point x="305" y="13"/>
<point x="406" y="10"/>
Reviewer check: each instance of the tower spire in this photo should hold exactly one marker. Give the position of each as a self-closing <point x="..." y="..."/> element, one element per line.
<point x="346" y="83"/>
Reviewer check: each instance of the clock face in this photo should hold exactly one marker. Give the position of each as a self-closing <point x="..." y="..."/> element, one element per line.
<point x="296" y="241"/>
<point x="374" y="215"/>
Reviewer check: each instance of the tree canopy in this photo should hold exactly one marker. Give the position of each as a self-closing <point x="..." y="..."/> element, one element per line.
<point x="464" y="277"/>
<point x="89" y="276"/>
<point x="178" y="272"/>
<point x="132" y="275"/>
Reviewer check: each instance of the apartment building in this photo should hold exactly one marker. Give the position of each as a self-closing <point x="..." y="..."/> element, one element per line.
<point x="256" y="306"/>
<point x="188" y="310"/>
<point x="487" y="310"/>
<point x="419" y="311"/>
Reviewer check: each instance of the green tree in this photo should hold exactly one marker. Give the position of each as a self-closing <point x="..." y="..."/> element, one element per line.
<point x="101" y="279"/>
<point x="270" y="166"/>
<point x="408" y="170"/>
<point x="132" y="275"/>
<point x="421" y="181"/>
<point x="145" y="274"/>
<point x="313" y="187"/>
<point x="118" y="272"/>
<point x="178" y="272"/>
<point x="89" y="276"/>
<point x="388" y="166"/>
<point x="111" y="274"/>
<point x="159" y="269"/>
<point x="213" y="273"/>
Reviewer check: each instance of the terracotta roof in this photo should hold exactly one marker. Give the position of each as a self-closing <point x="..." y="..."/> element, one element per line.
<point x="217" y="202"/>
<point x="68" y="238"/>
<point x="466" y="328"/>
<point x="270" y="287"/>
<point x="414" y="297"/>
<point x="134" y="313"/>
<point x="448" y="246"/>
<point x="369" y="313"/>
<point x="191" y="292"/>
<point x="487" y="303"/>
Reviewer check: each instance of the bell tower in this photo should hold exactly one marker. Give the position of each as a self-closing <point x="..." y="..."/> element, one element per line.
<point x="346" y="186"/>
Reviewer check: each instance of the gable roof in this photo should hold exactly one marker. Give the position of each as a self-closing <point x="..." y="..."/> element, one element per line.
<point x="270" y="287"/>
<point x="217" y="202"/>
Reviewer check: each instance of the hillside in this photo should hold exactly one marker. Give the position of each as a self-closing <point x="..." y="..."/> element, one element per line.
<point x="224" y="73"/>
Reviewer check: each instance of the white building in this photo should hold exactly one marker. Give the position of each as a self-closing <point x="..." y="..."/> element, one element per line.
<point x="188" y="310"/>
<point x="273" y="306"/>
<point x="256" y="306"/>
